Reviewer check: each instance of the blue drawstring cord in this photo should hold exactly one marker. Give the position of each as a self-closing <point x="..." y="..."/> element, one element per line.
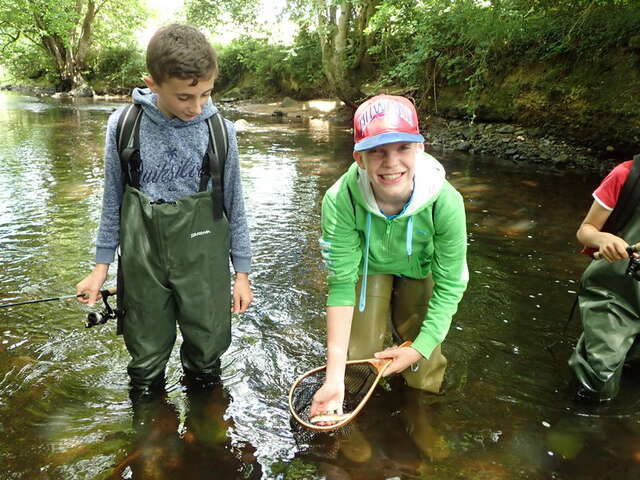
<point x="409" y="236"/>
<point x="365" y="270"/>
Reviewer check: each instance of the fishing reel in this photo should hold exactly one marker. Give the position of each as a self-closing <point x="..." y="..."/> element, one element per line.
<point x="100" y="318"/>
<point x="633" y="268"/>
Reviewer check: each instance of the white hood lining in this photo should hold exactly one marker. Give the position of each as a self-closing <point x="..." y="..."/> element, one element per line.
<point x="428" y="180"/>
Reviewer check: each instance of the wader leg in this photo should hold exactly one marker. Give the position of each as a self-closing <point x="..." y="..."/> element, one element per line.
<point x="633" y="355"/>
<point x="369" y="328"/>
<point x="149" y="328"/>
<point x="598" y="358"/>
<point x="205" y="417"/>
<point x="149" y="333"/>
<point x="204" y="318"/>
<point x="417" y="417"/>
<point x="410" y="304"/>
<point x="201" y="282"/>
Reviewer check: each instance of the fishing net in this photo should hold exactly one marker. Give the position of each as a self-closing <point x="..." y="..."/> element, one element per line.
<point x="360" y="379"/>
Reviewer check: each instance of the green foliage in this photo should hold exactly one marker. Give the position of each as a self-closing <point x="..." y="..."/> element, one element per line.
<point x="117" y="23"/>
<point x="264" y="68"/>
<point x="63" y="32"/>
<point x="465" y="42"/>
<point x="303" y="64"/>
<point x="25" y="63"/>
<point x="417" y="46"/>
<point x="120" y="68"/>
<point x="249" y="57"/>
<point x="215" y="13"/>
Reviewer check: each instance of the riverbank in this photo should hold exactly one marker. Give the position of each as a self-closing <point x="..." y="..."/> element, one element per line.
<point x="533" y="147"/>
<point x="50" y="91"/>
<point x="526" y="146"/>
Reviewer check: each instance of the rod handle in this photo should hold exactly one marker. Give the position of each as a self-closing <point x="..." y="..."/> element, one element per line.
<point x="631" y="249"/>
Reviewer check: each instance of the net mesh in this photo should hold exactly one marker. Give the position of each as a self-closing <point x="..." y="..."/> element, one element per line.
<point x="358" y="380"/>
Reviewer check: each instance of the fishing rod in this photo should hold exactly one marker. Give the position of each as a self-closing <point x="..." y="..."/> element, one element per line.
<point x="93" y="318"/>
<point x="110" y="291"/>
<point x="29" y="302"/>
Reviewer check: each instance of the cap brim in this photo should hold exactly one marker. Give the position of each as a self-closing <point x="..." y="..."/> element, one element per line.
<point x="385" y="138"/>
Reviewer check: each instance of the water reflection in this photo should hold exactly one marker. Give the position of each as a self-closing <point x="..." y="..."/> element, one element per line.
<point x="507" y="412"/>
<point x="319" y="129"/>
<point x="165" y="447"/>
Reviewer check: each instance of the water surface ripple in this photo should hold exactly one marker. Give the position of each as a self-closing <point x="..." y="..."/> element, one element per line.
<point x="507" y="412"/>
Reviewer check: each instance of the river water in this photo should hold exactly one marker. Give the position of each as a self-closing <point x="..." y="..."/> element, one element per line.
<point x="507" y="411"/>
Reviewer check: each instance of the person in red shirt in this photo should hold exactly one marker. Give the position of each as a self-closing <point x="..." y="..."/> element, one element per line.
<point x="605" y="199"/>
<point x="608" y="297"/>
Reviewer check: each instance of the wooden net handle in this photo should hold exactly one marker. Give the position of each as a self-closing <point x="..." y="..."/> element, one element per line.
<point x="380" y="364"/>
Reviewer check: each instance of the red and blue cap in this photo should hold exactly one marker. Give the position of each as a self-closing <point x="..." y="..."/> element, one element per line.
<point x="385" y="119"/>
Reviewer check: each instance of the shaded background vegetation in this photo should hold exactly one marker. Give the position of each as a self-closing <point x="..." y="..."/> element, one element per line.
<point x="569" y="65"/>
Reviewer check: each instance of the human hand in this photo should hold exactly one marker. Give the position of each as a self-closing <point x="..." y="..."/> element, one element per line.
<point x="328" y="400"/>
<point x="242" y="296"/>
<point x="90" y="286"/>
<point x="402" y="357"/>
<point x="611" y="247"/>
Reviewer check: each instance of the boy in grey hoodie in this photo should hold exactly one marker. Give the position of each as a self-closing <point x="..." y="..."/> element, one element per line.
<point x="174" y="240"/>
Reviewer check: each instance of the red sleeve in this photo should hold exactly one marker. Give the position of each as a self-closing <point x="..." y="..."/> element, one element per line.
<point x="609" y="190"/>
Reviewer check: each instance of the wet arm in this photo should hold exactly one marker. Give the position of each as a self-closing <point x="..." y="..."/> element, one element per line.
<point x="341" y="252"/>
<point x="330" y="396"/>
<point x="590" y="234"/>
<point x="338" y="333"/>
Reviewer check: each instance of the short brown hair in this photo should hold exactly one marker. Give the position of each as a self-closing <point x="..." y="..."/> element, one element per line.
<point x="181" y="51"/>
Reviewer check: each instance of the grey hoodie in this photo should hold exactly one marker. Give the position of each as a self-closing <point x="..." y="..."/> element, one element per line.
<point x="171" y="151"/>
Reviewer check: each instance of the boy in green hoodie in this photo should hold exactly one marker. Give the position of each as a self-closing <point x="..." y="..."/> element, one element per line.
<point x="394" y="241"/>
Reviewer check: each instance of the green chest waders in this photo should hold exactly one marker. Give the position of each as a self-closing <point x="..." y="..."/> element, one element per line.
<point x="175" y="260"/>
<point x="405" y="302"/>
<point x="609" y="304"/>
<point x="174" y="265"/>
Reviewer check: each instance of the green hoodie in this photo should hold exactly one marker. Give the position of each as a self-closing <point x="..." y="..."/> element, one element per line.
<point x="429" y="236"/>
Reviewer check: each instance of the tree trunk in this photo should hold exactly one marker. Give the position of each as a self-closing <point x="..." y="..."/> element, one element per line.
<point x="70" y="57"/>
<point x="68" y="66"/>
<point x="344" y="46"/>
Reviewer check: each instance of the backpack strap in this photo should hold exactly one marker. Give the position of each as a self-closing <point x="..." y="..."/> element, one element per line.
<point x="218" y="129"/>
<point x="128" y="143"/>
<point x="627" y="201"/>
<point x="214" y="162"/>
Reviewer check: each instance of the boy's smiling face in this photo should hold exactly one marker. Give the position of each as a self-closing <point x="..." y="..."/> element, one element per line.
<point x="179" y="97"/>
<point x="390" y="168"/>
